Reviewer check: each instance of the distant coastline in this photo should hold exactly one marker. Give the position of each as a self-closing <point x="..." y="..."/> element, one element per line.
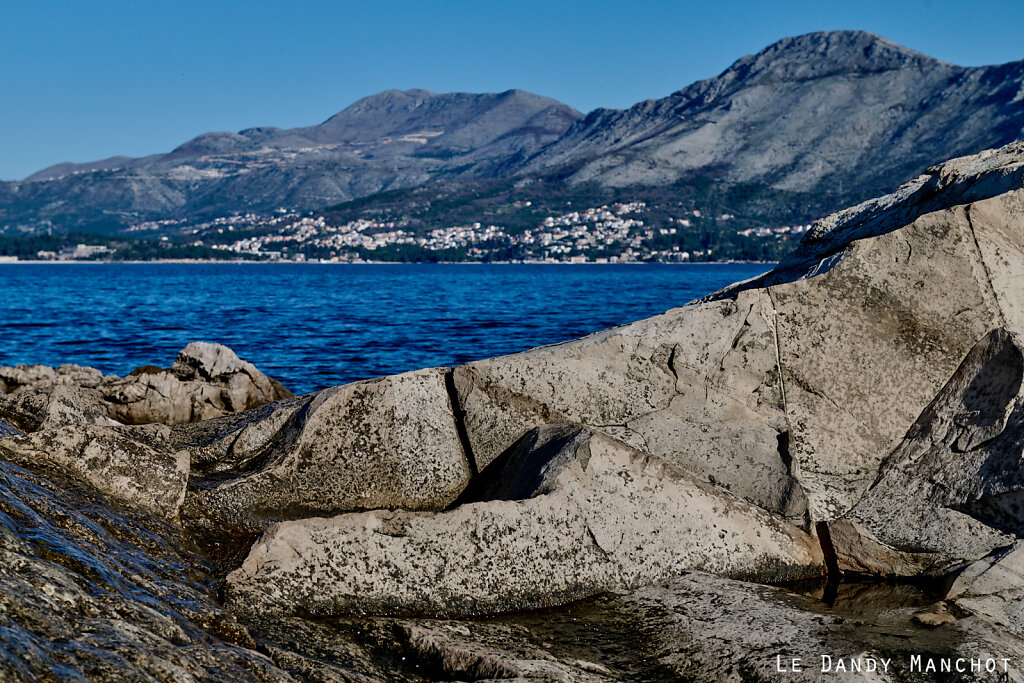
<point x="380" y="263"/>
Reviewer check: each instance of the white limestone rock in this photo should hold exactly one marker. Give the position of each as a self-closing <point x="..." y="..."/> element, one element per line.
<point x="953" y="490"/>
<point x="698" y="387"/>
<point x="596" y="515"/>
<point x="384" y="443"/>
<point x="206" y="381"/>
<point x="801" y="380"/>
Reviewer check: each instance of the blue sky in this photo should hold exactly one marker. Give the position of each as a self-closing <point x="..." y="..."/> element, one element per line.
<point x="86" y="80"/>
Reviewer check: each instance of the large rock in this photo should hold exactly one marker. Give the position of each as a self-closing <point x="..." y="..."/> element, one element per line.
<point x="993" y="589"/>
<point x="570" y="513"/>
<point x="698" y="386"/>
<point x="116" y="461"/>
<point x="792" y="387"/>
<point x="903" y="310"/>
<point x="14" y="378"/>
<point x="54" y="405"/>
<point x="385" y="443"/>
<point x="957" y="182"/>
<point x="206" y="381"/>
<point x="953" y="490"/>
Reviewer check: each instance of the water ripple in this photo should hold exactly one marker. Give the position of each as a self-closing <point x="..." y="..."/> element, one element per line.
<point x="315" y="326"/>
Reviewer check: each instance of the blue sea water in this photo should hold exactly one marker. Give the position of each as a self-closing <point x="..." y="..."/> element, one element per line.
<point x="313" y="326"/>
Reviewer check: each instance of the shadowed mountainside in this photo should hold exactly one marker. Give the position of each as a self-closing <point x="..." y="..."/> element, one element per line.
<point x="842" y="115"/>
<point x="845" y="112"/>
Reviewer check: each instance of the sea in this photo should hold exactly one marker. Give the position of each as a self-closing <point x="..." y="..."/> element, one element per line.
<point x="318" y="325"/>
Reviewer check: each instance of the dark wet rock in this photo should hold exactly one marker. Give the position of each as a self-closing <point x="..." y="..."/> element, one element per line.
<point x="468" y="651"/>
<point x="7" y="429"/>
<point x="708" y="628"/>
<point x="115" y="461"/>
<point x="386" y="443"/>
<point x="570" y="514"/>
<point x="88" y="593"/>
<point x="360" y="652"/>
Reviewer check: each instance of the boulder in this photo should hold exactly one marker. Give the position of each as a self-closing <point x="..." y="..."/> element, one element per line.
<point x="14" y="378"/>
<point x="953" y="490"/>
<point x="54" y="405"/>
<point x="903" y="309"/>
<point x="993" y="588"/>
<point x="153" y="395"/>
<point x="230" y="445"/>
<point x="206" y="381"/>
<point x="790" y="389"/>
<point x="385" y="443"/>
<point x="246" y="386"/>
<point x="698" y="387"/>
<point x="115" y="461"/>
<point x="569" y="513"/>
<point x="957" y="182"/>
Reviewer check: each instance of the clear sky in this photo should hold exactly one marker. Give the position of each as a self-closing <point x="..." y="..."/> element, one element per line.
<point x="86" y="80"/>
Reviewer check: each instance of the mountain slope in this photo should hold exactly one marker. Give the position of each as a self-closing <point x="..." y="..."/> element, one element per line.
<point x="835" y="116"/>
<point x="390" y="140"/>
<point x="845" y="112"/>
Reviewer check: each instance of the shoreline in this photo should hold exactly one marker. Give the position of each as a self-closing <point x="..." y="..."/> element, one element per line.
<point x="379" y="263"/>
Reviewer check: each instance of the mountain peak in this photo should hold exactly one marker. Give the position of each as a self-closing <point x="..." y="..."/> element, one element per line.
<point x="387" y="100"/>
<point x="827" y="53"/>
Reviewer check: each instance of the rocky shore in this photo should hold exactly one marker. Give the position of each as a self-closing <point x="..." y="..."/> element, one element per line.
<point x="823" y="462"/>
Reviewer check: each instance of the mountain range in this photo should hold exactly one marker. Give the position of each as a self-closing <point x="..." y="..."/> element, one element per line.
<point x="844" y="114"/>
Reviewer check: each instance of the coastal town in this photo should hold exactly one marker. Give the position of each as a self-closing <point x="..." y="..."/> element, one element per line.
<point x="615" y="233"/>
<point x="609" y="231"/>
<point x="620" y="232"/>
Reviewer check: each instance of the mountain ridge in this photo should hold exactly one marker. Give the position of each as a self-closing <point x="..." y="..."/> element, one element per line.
<point x="333" y="130"/>
<point x="843" y="78"/>
<point x="846" y="114"/>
